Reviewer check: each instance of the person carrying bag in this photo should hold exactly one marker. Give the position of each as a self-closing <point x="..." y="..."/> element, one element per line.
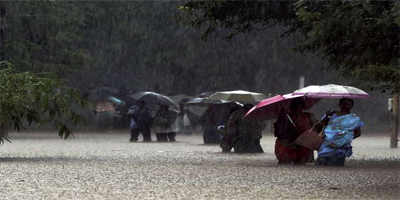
<point x="288" y="127"/>
<point x="311" y="138"/>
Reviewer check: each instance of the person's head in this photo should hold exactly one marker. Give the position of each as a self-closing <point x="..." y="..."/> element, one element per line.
<point x="231" y="107"/>
<point x="164" y="107"/>
<point x="248" y="106"/>
<point x="297" y="105"/>
<point x="182" y="102"/>
<point x="141" y="104"/>
<point x="346" y="104"/>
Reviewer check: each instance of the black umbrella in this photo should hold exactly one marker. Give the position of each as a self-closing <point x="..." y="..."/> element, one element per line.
<point x="101" y="93"/>
<point x="153" y="98"/>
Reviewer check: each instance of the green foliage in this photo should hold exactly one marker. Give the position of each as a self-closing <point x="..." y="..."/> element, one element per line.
<point x="360" y="39"/>
<point x="36" y="98"/>
<point x="138" y="45"/>
<point x="42" y="36"/>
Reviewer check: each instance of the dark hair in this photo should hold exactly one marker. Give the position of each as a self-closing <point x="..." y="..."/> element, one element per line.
<point x="296" y="103"/>
<point x="141" y="104"/>
<point x="248" y="106"/>
<point x="345" y="99"/>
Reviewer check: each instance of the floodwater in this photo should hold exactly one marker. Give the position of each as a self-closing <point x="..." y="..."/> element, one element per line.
<point x="107" y="166"/>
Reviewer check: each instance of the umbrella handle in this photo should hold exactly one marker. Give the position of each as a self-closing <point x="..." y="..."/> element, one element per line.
<point x="294" y="125"/>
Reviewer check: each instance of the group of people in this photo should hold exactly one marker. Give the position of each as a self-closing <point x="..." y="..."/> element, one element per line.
<point x="224" y="124"/>
<point x="216" y="115"/>
<point x="232" y="130"/>
<point x="241" y="134"/>
<point x="161" y="119"/>
<point x="339" y="128"/>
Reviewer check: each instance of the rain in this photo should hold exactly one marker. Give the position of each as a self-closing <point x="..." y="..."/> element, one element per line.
<point x="153" y="105"/>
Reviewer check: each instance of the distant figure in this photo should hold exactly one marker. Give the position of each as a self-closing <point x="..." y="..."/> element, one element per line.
<point x="140" y="122"/>
<point x="208" y="123"/>
<point x="287" y="128"/>
<point x="241" y="134"/>
<point x="183" y="124"/>
<point x="164" y="124"/>
<point x="215" y="116"/>
<point x="341" y="128"/>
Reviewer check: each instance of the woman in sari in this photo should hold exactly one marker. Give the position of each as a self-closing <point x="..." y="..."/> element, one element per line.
<point x="341" y="128"/>
<point x="287" y="130"/>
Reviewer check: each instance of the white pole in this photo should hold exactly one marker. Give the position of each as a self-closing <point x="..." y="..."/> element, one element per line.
<point x="393" y="139"/>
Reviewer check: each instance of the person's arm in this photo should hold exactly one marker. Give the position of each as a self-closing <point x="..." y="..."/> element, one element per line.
<point x="357" y="133"/>
<point x="327" y="116"/>
<point x="324" y="121"/>
<point x="233" y="118"/>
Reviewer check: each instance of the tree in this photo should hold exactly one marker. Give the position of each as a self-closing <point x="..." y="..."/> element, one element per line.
<point x="37" y="98"/>
<point x="42" y="36"/>
<point x="360" y="39"/>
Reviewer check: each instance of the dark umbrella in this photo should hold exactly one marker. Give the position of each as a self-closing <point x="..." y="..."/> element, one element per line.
<point x="153" y="98"/>
<point x="126" y="98"/>
<point x="101" y="93"/>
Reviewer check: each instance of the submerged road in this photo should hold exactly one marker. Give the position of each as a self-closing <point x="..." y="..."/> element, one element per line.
<point x="107" y="166"/>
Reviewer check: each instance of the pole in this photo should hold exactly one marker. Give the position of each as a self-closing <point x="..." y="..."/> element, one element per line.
<point x="301" y="81"/>
<point x="393" y="139"/>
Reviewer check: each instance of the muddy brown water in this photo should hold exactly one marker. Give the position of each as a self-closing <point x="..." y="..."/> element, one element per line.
<point x="107" y="166"/>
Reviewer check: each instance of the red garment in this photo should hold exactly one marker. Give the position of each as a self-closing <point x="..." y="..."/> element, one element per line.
<point x="303" y="122"/>
<point x="299" y="154"/>
<point x="288" y="155"/>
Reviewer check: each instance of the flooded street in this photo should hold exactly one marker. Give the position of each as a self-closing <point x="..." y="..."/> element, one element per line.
<point x="107" y="166"/>
<point x="161" y="67"/>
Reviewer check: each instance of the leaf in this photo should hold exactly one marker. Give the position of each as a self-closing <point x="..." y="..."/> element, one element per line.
<point x="27" y="96"/>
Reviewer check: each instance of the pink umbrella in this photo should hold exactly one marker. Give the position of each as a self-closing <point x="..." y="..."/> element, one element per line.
<point x="269" y="108"/>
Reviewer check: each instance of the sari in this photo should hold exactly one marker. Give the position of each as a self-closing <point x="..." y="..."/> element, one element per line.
<point x="285" y="150"/>
<point x="338" y="135"/>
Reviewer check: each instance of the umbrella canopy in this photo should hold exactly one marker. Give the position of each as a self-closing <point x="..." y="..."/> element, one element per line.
<point x="206" y="94"/>
<point x="204" y="102"/>
<point x="101" y="93"/>
<point x="153" y="98"/>
<point x="332" y="91"/>
<point x="139" y="95"/>
<point x="115" y="100"/>
<point x="178" y="98"/>
<point x="269" y="108"/>
<point x="197" y="110"/>
<point x="238" y="95"/>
